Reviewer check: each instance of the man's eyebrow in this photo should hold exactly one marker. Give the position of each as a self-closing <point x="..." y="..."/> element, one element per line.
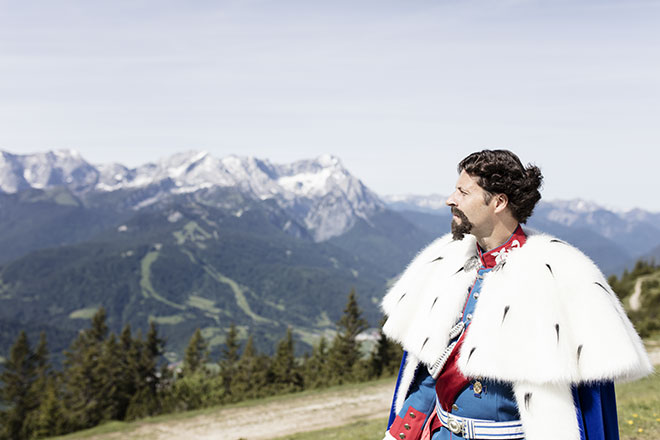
<point x="461" y="189"/>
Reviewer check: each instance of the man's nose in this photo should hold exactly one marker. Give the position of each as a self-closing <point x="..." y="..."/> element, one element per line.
<point x="450" y="200"/>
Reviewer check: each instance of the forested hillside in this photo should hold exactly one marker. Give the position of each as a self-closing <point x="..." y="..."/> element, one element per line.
<point x="186" y="264"/>
<point x="109" y="376"/>
<point x="639" y="291"/>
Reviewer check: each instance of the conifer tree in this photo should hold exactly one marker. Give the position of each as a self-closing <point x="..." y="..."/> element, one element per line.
<point x="40" y="388"/>
<point x="153" y="349"/>
<point x="86" y="383"/>
<point x="99" y="329"/>
<point x="195" y="388"/>
<point x="196" y="354"/>
<point x="17" y="392"/>
<point x="124" y="370"/>
<point x="229" y="358"/>
<point x="316" y="366"/>
<point x="109" y="376"/>
<point x="249" y="381"/>
<point x="145" y="400"/>
<point x="286" y="375"/>
<point x="345" y="351"/>
<point x="42" y="360"/>
<point x="386" y="357"/>
<point x="48" y="419"/>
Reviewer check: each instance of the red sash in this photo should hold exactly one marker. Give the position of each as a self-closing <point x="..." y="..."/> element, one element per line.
<point x="451" y="382"/>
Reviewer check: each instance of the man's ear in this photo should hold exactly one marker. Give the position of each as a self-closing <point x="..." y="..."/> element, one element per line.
<point x="501" y="202"/>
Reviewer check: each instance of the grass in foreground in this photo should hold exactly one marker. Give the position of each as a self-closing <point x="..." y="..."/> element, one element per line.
<point x="638" y="405"/>
<point x="638" y="408"/>
<point x="364" y="430"/>
<point x="127" y="427"/>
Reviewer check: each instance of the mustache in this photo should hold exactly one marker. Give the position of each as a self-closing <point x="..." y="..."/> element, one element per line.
<point x="457" y="212"/>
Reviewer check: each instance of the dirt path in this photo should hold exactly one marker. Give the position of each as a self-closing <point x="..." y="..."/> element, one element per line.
<point x="635" y="302"/>
<point x="654" y="355"/>
<point x="272" y="419"/>
<point x="281" y="417"/>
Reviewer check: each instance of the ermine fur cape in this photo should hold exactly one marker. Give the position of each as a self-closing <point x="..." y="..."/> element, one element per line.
<point x="546" y="320"/>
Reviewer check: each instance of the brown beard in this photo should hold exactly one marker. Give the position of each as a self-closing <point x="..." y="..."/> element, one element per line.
<point x="458" y="231"/>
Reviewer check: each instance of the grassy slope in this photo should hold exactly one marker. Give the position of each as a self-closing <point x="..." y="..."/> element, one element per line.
<point x="639" y="409"/>
<point x="638" y="405"/>
<point x="366" y="430"/>
<point x="127" y="427"/>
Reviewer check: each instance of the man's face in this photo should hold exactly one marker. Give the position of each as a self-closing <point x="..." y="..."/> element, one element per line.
<point x="471" y="213"/>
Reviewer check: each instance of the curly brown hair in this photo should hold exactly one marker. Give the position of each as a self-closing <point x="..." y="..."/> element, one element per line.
<point x="501" y="172"/>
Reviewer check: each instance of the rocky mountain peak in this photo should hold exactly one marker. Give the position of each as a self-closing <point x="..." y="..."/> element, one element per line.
<point x="46" y="169"/>
<point x="319" y="193"/>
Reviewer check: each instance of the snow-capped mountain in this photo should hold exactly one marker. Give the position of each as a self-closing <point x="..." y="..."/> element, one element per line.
<point x="319" y="193"/>
<point x="44" y="170"/>
<point x="429" y="203"/>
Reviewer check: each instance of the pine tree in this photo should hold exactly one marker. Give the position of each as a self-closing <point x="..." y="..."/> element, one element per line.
<point x="345" y="351"/>
<point x="42" y="359"/>
<point x="85" y="382"/>
<point x="146" y="401"/>
<point x="48" y="419"/>
<point x="109" y="376"/>
<point x="229" y="360"/>
<point x="195" y="388"/>
<point x="123" y="370"/>
<point x="286" y="375"/>
<point x="17" y="392"/>
<point x="196" y="354"/>
<point x="386" y="357"/>
<point x="249" y="381"/>
<point x="40" y="388"/>
<point x="316" y="370"/>
<point x="99" y="329"/>
<point x="153" y="349"/>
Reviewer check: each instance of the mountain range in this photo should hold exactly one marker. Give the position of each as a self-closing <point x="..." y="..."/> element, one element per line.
<point x="613" y="239"/>
<point x="196" y="241"/>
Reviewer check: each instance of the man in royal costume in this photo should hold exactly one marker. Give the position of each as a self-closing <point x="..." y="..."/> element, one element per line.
<point x="508" y="333"/>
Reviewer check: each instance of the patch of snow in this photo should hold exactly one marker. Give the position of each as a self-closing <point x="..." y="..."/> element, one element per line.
<point x="566" y="218"/>
<point x="432" y="202"/>
<point x="147" y="202"/>
<point x="306" y="184"/>
<point x="174" y="217"/>
<point x="190" y="188"/>
<point x="107" y="188"/>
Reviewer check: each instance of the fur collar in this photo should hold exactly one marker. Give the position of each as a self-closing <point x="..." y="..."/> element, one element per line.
<point x="546" y="316"/>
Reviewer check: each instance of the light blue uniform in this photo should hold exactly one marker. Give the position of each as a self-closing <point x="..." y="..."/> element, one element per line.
<point x="495" y="402"/>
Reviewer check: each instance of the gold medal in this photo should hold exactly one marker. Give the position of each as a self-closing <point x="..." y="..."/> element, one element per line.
<point x="477" y="387"/>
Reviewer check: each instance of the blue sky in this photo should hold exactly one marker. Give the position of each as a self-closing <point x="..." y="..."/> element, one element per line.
<point x="399" y="90"/>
